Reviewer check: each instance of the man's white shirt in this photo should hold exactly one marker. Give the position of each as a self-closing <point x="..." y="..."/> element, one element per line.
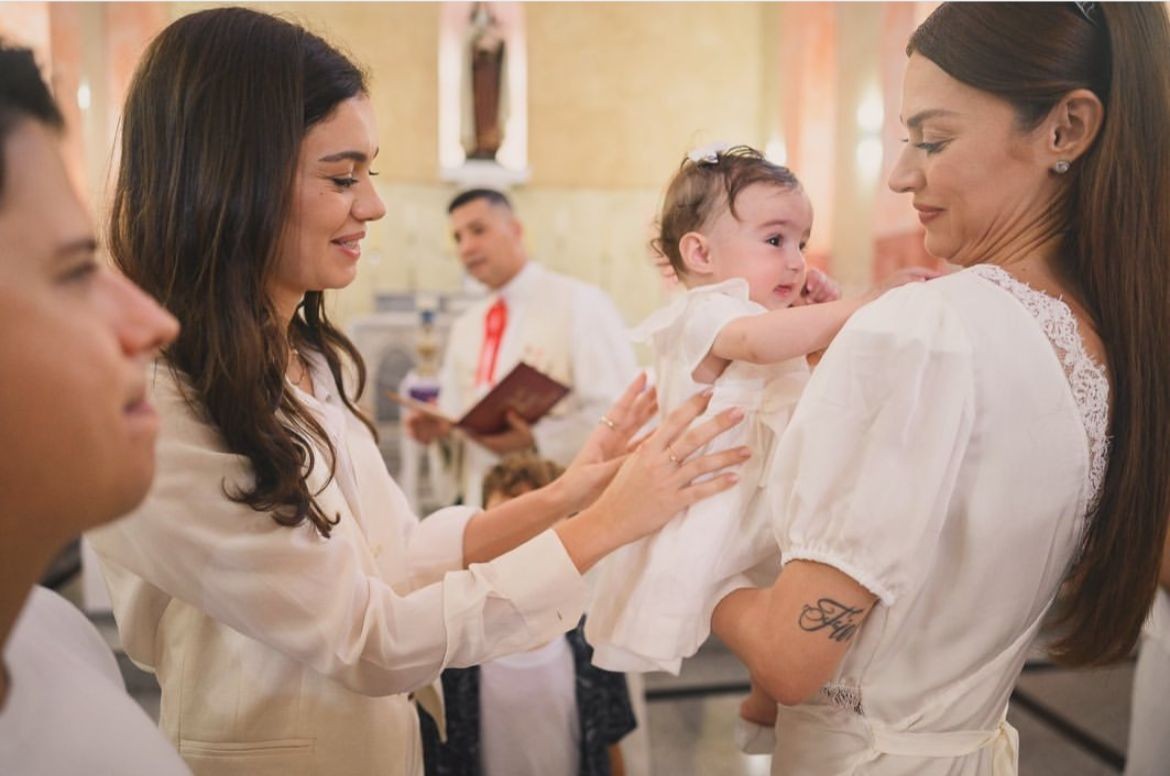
<point x="562" y="326"/>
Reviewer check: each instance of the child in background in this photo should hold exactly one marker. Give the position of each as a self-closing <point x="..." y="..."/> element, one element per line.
<point x="546" y="712"/>
<point x="733" y="227"/>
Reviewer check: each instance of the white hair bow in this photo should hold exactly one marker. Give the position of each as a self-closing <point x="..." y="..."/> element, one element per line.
<point x="708" y="154"/>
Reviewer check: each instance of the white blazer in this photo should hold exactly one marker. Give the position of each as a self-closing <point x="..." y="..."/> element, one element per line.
<point x="280" y="652"/>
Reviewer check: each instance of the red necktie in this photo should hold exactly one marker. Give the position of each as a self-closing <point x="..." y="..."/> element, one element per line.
<point x="493" y="331"/>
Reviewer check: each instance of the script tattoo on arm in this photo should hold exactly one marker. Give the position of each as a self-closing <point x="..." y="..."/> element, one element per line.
<point x="826" y="614"/>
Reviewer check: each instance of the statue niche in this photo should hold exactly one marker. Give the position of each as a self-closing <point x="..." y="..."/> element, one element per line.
<point x="485" y="92"/>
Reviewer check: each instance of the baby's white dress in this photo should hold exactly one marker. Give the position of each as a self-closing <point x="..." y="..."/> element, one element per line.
<point x="652" y="606"/>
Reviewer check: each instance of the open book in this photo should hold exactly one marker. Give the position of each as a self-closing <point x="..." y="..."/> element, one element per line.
<point x="526" y="391"/>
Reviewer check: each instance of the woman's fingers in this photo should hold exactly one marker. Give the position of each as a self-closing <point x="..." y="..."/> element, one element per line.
<point x="693" y="494"/>
<point x="619" y="413"/>
<point x="644" y="407"/>
<point x="621" y="421"/>
<point x="674" y="423"/>
<point x="633" y="409"/>
<point x="713" y="462"/>
<point x="633" y="390"/>
<point x="654" y="483"/>
<point x="690" y="441"/>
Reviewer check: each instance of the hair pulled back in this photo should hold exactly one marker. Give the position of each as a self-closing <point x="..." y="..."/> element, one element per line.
<point x="1115" y="217"/>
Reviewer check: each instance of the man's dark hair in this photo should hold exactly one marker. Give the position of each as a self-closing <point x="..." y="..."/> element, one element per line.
<point x="471" y="195"/>
<point x="23" y="94"/>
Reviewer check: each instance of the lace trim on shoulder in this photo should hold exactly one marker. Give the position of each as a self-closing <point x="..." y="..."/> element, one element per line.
<point x="843" y="696"/>
<point x="1087" y="378"/>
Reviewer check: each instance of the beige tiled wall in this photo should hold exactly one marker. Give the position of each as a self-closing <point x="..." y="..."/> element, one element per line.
<point x="617" y="93"/>
<point x="599" y="235"/>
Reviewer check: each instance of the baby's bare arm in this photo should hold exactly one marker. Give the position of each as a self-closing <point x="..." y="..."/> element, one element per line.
<point x="779" y="335"/>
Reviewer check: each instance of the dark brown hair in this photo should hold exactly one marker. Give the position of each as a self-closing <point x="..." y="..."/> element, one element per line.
<point x="700" y="190"/>
<point x="211" y="133"/>
<point x="23" y="95"/>
<point x="492" y="196"/>
<point x="1115" y="218"/>
<point x="519" y="471"/>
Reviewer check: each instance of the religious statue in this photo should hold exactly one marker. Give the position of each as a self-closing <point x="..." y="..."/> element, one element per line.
<point x="485" y="91"/>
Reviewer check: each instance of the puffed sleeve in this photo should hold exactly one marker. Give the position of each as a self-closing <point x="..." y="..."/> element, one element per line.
<point x="705" y="317"/>
<point x="863" y="475"/>
<point x="315" y="600"/>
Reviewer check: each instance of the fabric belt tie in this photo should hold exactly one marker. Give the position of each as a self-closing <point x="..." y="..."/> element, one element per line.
<point x="812" y="740"/>
<point x="1004" y="740"/>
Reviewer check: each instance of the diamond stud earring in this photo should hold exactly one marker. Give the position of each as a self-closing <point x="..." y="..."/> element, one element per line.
<point x="1061" y="167"/>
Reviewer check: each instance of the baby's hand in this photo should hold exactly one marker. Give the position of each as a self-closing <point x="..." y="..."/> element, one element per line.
<point x="758" y="708"/>
<point x="904" y="276"/>
<point x="819" y="287"/>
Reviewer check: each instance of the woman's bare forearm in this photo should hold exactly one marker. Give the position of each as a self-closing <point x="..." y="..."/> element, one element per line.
<point x="495" y="531"/>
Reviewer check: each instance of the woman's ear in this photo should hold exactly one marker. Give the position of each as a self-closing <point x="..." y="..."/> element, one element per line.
<point x="1073" y="125"/>
<point x="696" y="253"/>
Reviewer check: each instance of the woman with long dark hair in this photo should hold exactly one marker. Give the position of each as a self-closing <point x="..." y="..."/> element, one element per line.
<point x="275" y="578"/>
<point x="980" y="451"/>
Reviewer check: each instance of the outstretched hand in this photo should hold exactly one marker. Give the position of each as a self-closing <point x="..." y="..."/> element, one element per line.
<point x="606" y="448"/>
<point x="655" y="482"/>
<point x="615" y="429"/>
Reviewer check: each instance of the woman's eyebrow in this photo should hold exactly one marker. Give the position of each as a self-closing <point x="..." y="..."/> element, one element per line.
<point x="80" y="245"/>
<point x="915" y="121"/>
<point x="355" y="156"/>
<point x="341" y="156"/>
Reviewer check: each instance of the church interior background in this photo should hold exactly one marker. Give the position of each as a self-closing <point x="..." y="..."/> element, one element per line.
<point x="614" y="96"/>
<point x="603" y="102"/>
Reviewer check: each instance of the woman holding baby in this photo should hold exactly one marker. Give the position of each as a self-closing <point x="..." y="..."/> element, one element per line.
<point x="970" y="447"/>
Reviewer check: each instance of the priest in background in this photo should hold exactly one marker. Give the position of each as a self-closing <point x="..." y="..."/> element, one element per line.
<point x="564" y="327"/>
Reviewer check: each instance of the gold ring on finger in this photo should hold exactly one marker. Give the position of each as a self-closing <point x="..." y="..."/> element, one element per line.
<point x="605" y="419"/>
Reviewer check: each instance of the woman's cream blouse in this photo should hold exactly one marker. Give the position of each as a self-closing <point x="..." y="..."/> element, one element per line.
<point x="281" y="652"/>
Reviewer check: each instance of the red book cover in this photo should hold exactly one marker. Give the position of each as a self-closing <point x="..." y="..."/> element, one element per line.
<point x="528" y="392"/>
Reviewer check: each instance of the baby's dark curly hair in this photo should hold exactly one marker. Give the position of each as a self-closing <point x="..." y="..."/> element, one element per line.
<point x="701" y="189"/>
